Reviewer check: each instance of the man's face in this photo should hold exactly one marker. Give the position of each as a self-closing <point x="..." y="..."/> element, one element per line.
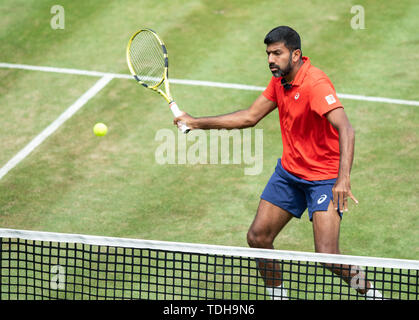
<point x="279" y="59"/>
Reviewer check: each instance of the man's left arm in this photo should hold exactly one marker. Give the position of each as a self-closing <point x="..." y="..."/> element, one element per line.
<point x="342" y="188"/>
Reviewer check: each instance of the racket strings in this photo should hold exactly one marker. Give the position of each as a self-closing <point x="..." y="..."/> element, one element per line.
<point x="147" y="58"/>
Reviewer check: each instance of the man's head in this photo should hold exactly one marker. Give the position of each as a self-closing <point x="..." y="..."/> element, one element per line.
<point x="283" y="47"/>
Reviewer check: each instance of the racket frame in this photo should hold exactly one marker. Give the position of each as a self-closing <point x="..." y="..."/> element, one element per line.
<point x="165" y="79"/>
<point x="166" y="95"/>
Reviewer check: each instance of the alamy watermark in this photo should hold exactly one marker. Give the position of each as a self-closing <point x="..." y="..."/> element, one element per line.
<point x="358" y="278"/>
<point x="212" y="147"/>
<point x="57" y="281"/>
<point x="358" y="20"/>
<point x="58" y="20"/>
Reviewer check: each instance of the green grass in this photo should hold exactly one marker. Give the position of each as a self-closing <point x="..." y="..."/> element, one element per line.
<point x="78" y="183"/>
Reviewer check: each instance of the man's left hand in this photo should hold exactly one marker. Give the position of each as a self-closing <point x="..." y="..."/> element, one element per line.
<point x="341" y="191"/>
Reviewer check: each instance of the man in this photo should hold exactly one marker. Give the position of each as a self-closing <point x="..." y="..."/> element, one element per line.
<point x="318" y="149"/>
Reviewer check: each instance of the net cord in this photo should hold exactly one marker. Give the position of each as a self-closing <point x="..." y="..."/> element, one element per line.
<point x="209" y="249"/>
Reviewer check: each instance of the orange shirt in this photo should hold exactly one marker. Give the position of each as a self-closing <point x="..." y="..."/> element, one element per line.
<point x="310" y="143"/>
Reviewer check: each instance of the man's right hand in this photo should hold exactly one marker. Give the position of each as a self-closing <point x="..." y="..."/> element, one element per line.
<point x="185" y="119"/>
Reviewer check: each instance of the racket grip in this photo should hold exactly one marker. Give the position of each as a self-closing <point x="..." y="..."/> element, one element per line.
<point x="177" y="113"/>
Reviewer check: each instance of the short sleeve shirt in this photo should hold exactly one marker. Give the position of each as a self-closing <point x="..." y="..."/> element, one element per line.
<point x="310" y="143"/>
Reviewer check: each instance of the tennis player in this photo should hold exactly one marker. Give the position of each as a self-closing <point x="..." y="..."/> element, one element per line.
<point x="318" y="149"/>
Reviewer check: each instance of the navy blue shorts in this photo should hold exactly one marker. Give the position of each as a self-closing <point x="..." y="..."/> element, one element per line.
<point x="295" y="195"/>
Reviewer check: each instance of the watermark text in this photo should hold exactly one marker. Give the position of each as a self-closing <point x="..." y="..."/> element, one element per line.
<point x="212" y="147"/>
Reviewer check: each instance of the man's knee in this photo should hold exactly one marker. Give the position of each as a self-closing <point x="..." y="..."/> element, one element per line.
<point x="327" y="248"/>
<point x="259" y="240"/>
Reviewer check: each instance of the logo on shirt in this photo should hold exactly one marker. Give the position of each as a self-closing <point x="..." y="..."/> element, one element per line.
<point x="297" y="96"/>
<point x="322" y="199"/>
<point x="330" y="99"/>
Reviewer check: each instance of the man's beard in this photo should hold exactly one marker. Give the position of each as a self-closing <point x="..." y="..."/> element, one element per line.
<point x="278" y="73"/>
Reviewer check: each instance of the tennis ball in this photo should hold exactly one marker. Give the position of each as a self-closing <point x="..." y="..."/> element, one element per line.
<point x="100" y="129"/>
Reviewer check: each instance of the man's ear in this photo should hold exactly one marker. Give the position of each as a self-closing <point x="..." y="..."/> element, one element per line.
<point x="296" y="55"/>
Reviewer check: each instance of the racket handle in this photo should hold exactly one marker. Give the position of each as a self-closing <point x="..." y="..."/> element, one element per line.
<point x="177" y="113"/>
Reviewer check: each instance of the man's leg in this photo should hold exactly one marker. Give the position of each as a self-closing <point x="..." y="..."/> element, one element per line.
<point x="326" y="226"/>
<point x="268" y="222"/>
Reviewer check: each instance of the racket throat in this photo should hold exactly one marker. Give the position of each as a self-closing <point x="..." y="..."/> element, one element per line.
<point x="142" y="83"/>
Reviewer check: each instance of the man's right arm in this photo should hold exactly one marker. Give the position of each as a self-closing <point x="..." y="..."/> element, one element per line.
<point x="236" y="120"/>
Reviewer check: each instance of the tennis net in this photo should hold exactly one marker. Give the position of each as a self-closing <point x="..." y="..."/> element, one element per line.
<point x="44" y="265"/>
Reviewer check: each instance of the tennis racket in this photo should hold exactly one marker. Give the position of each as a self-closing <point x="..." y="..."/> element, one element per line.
<point x="148" y="63"/>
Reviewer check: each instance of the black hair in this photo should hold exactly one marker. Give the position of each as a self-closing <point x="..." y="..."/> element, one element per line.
<point x="288" y="36"/>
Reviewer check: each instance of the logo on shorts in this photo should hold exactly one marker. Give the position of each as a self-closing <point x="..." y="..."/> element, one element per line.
<point x="330" y="99"/>
<point x="322" y="199"/>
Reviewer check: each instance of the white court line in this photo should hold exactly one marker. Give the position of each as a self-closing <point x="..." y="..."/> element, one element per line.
<point x="80" y="102"/>
<point x="197" y="83"/>
<point x="63" y="70"/>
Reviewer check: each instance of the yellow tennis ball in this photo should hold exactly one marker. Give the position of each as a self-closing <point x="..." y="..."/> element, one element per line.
<point x="100" y="129"/>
